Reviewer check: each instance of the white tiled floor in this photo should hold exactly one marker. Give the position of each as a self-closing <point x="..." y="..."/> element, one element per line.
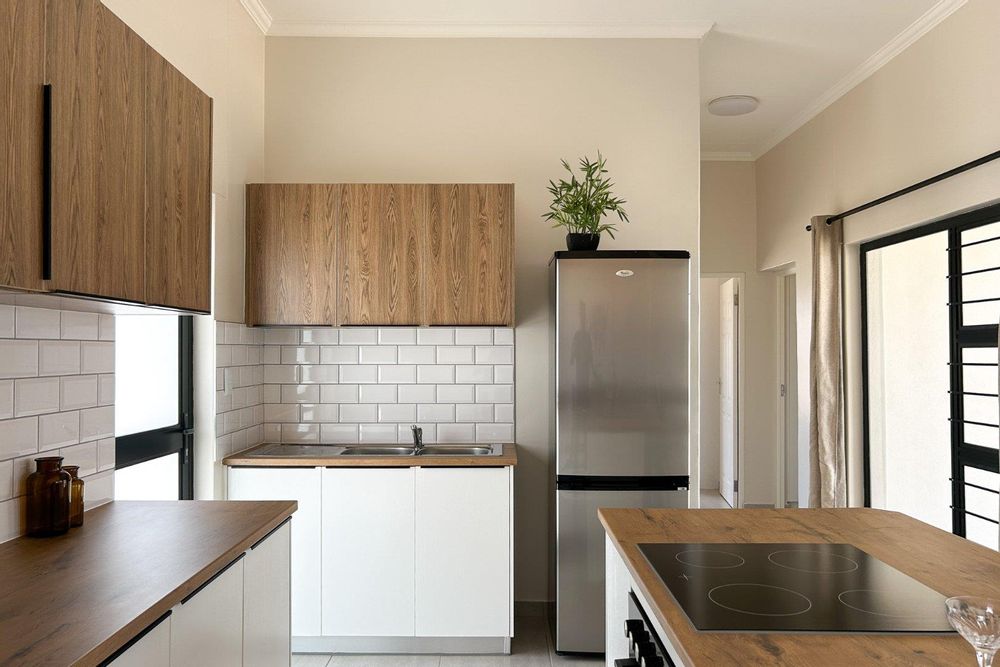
<point x="532" y="647"/>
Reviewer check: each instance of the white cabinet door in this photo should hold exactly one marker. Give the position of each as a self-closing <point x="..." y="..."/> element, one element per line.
<point x="463" y="552"/>
<point x="207" y="628"/>
<point x="368" y="552"/>
<point x="303" y="485"/>
<point x="267" y="603"/>
<point x="153" y="650"/>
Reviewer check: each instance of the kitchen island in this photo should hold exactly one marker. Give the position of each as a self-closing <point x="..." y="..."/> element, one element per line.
<point x="151" y="583"/>
<point x="944" y="562"/>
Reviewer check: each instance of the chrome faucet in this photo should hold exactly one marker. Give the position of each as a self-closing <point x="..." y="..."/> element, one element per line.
<point x="418" y="439"/>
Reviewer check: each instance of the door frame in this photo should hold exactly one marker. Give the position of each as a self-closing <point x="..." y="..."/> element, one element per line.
<point x="741" y="319"/>
<point x="781" y="346"/>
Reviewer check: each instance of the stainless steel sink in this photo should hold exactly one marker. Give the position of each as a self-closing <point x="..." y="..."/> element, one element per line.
<point x="275" y="449"/>
<point x="376" y="450"/>
<point x="461" y="450"/>
<point x="322" y="451"/>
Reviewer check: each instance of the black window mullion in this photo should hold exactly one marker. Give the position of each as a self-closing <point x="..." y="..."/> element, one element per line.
<point x="956" y="375"/>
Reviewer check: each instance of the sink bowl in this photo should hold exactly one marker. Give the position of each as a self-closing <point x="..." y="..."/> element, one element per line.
<point x="376" y="450"/>
<point x="460" y="450"/>
<point x="330" y="451"/>
<point x="297" y="451"/>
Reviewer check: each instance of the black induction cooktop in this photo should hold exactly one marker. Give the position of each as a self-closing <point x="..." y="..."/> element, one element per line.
<point x="794" y="588"/>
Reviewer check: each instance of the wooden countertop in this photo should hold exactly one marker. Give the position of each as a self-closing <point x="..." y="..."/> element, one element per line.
<point x="77" y="598"/>
<point x="247" y="459"/>
<point x="945" y="562"/>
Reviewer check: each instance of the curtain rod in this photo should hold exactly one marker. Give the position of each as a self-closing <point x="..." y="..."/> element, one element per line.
<point x="916" y="186"/>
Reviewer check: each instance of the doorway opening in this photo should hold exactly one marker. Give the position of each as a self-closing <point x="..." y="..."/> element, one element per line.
<point x="787" y="473"/>
<point x="721" y="389"/>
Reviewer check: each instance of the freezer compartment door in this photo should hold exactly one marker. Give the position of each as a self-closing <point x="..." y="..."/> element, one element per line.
<point x="580" y="561"/>
<point x="622" y="366"/>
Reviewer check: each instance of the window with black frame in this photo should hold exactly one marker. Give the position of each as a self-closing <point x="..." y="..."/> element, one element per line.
<point x="154" y="407"/>
<point x="930" y="315"/>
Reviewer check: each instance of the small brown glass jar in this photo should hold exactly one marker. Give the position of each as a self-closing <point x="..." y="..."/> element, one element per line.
<point x="75" y="496"/>
<point x="48" y="498"/>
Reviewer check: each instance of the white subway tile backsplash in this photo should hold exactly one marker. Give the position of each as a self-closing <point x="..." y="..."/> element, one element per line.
<point x="359" y="374"/>
<point x="494" y="432"/>
<point x="106" y="454"/>
<point x="84" y="455"/>
<point x="495" y="354"/>
<point x="96" y="423"/>
<point x="378" y="393"/>
<point x="58" y="357"/>
<point x="416" y="393"/>
<point x="503" y="374"/>
<point x="6" y="321"/>
<point x="474" y="412"/>
<point x="319" y="374"/>
<point x="270" y="354"/>
<point x="473" y="336"/>
<point x="377" y="354"/>
<point x="6" y="399"/>
<point x="494" y="393"/>
<point x="435" y="374"/>
<point x="79" y="391"/>
<point x="280" y="374"/>
<point x="377" y="433"/>
<point x="502" y="413"/>
<point x="35" y="396"/>
<point x="6" y="480"/>
<point x="436" y="336"/>
<point x="319" y="412"/>
<point x="18" y="437"/>
<point x="435" y="412"/>
<point x="338" y="434"/>
<point x="397" y="412"/>
<point x="281" y="336"/>
<point x="357" y="412"/>
<point x="281" y="413"/>
<point x="456" y="433"/>
<point x="106" y="327"/>
<point x="300" y="355"/>
<point x="454" y="354"/>
<point x="300" y="432"/>
<point x="338" y="393"/>
<point x="271" y="393"/>
<point x="397" y="374"/>
<point x="473" y="374"/>
<point x="397" y="336"/>
<point x="320" y="336"/>
<point x="503" y="336"/>
<point x="417" y="354"/>
<point x="11" y="524"/>
<point x="342" y="354"/>
<point x="18" y="358"/>
<point x="97" y="357"/>
<point x="405" y="435"/>
<point x="353" y="336"/>
<point x="300" y="393"/>
<point x="456" y="393"/>
<point x="80" y="326"/>
<point x="36" y="322"/>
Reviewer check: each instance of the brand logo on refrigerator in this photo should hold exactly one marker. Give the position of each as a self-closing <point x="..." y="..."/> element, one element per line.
<point x="625" y="273"/>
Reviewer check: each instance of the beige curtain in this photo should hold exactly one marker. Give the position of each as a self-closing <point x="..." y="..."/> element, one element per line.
<point x="827" y="455"/>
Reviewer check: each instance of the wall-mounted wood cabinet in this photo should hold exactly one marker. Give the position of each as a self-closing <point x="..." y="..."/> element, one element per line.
<point x="405" y="254"/>
<point x="107" y="194"/>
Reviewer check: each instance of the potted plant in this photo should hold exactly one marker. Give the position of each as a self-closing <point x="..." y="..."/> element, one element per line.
<point x="580" y="205"/>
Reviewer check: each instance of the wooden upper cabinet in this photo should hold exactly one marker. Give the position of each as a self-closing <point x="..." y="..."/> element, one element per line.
<point x="291" y="273"/>
<point x="469" y="277"/>
<point x="380" y="253"/>
<point x="96" y="66"/>
<point x="22" y="76"/>
<point x="178" y="189"/>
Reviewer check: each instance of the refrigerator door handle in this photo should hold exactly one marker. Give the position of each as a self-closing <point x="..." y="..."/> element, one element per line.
<point x="622" y="483"/>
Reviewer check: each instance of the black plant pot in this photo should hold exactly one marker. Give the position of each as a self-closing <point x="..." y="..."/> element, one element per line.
<point x="582" y="241"/>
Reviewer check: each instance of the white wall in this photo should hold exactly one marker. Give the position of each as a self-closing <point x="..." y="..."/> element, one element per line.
<point x="503" y="110"/>
<point x="709" y="370"/>
<point x="931" y="108"/>
<point x="729" y="246"/>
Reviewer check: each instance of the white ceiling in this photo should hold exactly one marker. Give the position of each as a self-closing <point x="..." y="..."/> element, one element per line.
<point x="797" y="56"/>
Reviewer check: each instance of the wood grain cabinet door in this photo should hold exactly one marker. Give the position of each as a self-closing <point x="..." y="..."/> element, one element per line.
<point x="291" y="253"/>
<point x="469" y="244"/>
<point x="380" y="253"/>
<point x="22" y="64"/>
<point x="178" y="189"/>
<point x="96" y="66"/>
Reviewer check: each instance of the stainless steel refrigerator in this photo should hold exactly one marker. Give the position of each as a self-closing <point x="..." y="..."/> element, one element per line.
<point x="621" y="412"/>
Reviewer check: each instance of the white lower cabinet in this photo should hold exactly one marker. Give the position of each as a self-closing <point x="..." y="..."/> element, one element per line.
<point x="463" y="552"/>
<point x="368" y="576"/>
<point x="302" y="485"/>
<point x="267" y="602"/>
<point x="152" y="650"/>
<point x="207" y="628"/>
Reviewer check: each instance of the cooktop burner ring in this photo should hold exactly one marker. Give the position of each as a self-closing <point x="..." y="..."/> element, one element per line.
<point x="908" y="610"/>
<point x="852" y="564"/>
<point x="727" y="566"/>
<point x="797" y="596"/>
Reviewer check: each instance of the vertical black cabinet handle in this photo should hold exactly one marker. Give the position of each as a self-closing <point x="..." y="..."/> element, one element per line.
<point x="47" y="182"/>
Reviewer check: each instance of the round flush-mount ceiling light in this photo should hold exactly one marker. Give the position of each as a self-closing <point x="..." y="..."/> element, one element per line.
<point x="733" y="105"/>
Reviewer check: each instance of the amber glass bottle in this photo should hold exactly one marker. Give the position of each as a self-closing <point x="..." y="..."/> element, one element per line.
<point x="75" y="496"/>
<point x="48" y="498"/>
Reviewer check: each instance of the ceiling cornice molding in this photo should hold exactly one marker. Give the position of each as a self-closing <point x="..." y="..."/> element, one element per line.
<point x="927" y="22"/>
<point x="568" y="30"/>
<point x="258" y="12"/>
<point x="727" y="156"/>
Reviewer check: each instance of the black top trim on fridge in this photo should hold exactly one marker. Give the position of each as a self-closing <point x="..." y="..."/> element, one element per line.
<point x="621" y="254"/>
<point x="616" y="483"/>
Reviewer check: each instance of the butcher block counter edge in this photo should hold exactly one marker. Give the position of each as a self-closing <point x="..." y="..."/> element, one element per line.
<point x="247" y="459"/>
<point x="947" y="563"/>
<point x="78" y="598"/>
